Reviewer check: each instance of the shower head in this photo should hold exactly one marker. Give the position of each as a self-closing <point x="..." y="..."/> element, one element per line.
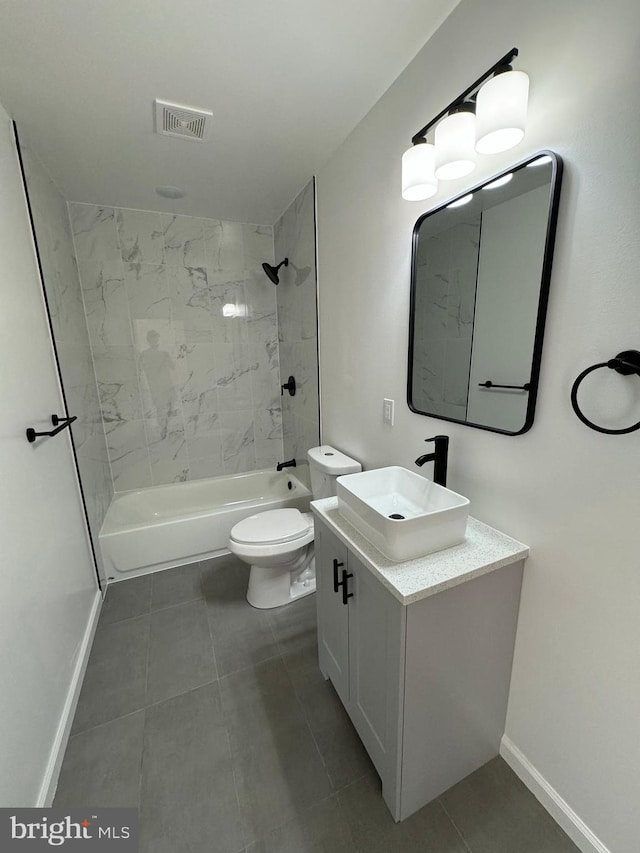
<point x="272" y="272"/>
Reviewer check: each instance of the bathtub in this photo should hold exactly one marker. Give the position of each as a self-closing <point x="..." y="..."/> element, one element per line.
<point x="147" y="530"/>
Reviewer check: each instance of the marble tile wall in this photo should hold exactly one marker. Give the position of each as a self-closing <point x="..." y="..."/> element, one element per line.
<point x="183" y="330"/>
<point x="294" y="237"/>
<point x="64" y="295"/>
<point x="444" y="310"/>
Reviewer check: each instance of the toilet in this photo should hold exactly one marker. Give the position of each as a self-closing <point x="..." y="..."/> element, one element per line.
<point x="278" y="543"/>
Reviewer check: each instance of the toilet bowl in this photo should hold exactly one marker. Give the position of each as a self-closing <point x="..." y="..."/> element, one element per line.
<point x="278" y="543"/>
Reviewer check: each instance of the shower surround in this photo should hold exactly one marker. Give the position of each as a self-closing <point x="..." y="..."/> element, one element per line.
<point x="294" y="237"/>
<point x="184" y="336"/>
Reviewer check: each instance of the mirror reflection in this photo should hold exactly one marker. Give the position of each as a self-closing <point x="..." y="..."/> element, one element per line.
<point x="479" y="286"/>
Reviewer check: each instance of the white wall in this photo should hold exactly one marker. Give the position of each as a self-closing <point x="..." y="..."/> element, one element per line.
<point x="48" y="590"/>
<point x="570" y="493"/>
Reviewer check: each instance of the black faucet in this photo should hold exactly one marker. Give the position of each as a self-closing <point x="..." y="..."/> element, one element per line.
<point x="438" y="457"/>
<point x="290" y="464"/>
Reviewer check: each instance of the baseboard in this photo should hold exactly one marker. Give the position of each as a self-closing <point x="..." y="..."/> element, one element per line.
<point x="50" y="781"/>
<point x="558" y="808"/>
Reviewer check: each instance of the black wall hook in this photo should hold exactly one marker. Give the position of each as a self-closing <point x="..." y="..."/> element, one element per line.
<point x="626" y="363"/>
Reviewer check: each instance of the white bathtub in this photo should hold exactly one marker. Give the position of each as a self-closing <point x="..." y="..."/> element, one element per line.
<point x="146" y="530"/>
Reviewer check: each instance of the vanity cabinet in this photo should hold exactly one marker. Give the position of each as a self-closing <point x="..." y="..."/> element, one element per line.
<point x="426" y="683"/>
<point x="360" y="631"/>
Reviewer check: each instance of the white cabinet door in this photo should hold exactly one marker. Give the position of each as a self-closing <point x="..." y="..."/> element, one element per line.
<point x="376" y="665"/>
<point x="333" y="615"/>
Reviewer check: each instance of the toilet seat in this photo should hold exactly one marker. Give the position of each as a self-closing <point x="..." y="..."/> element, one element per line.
<point x="267" y="531"/>
<point x="273" y="527"/>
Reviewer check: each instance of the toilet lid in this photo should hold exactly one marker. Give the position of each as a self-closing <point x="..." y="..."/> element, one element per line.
<point x="274" y="525"/>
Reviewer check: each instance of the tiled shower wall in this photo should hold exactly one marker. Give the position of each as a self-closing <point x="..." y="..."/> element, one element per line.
<point x="294" y="237"/>
<point x="184" y="335"/>
<point x="64" y="296"/>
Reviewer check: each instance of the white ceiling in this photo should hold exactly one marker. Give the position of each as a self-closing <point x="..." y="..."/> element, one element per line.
<point x="286" y="80"/>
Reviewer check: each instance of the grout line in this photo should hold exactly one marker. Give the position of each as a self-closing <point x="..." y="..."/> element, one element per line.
<point x="453" y="823"/>
<point x="213" y="645"/>
<point x="152" y="611"/>
<point x="150" y="593"/>
<point x="365" y="775"/>
<point x="221" y="677"/>
<point x="104" y="625"/>
<point x="315" y="743"/>
<point x="146" y="674"/>
<point x="184" y="693"/>
<point x="235" y="781"/>
<point x="298" y="816"/>
<point x="176" y="604"/>
<point x="142" y="751"/>
<point x="107" y="722"/>
<point x="345" y="817"/>
<point x="303" y="710"/>
<point x="147" y="707"/>
<point x="214" y="680"/>
<point x="334" y="789"/>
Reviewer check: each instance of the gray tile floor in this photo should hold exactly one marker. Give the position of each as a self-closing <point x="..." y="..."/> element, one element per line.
<point x="213" y="719"/>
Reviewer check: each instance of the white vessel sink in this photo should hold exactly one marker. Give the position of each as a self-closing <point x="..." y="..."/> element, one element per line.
<point x="403" y="514"/>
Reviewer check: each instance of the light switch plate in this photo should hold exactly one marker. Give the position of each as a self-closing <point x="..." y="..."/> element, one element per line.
<point x="388" y="407"/>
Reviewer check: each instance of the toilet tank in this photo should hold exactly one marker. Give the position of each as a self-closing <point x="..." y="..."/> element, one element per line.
<point x="326" y="464"/>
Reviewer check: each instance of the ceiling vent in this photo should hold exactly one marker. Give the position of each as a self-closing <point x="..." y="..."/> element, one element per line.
<point x="182" y="121"/>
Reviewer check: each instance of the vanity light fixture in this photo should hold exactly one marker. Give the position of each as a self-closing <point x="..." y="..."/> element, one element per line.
<point x="488" y="117"/>
<point x="501" y="109"/>
<point x="455" y="139"/>
<point x="418" y="178"/>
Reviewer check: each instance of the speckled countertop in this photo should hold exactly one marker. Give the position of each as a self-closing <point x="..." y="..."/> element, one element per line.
<point x="483" y="551"/>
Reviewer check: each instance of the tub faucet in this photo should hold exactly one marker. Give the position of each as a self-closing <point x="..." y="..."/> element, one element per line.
<point x="290" y="464"/>
<point x="438" y="457"/>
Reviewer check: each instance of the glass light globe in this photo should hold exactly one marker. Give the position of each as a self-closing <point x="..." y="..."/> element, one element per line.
<point x="418" y="179"/>
<point x="455" y="138"/>
<point x="501" y="112"/>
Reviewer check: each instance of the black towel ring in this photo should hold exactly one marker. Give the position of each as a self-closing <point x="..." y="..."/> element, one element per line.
<point x="626" y="363"/>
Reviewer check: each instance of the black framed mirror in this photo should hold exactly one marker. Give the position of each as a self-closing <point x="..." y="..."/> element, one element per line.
<point x="480" y="272"/>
